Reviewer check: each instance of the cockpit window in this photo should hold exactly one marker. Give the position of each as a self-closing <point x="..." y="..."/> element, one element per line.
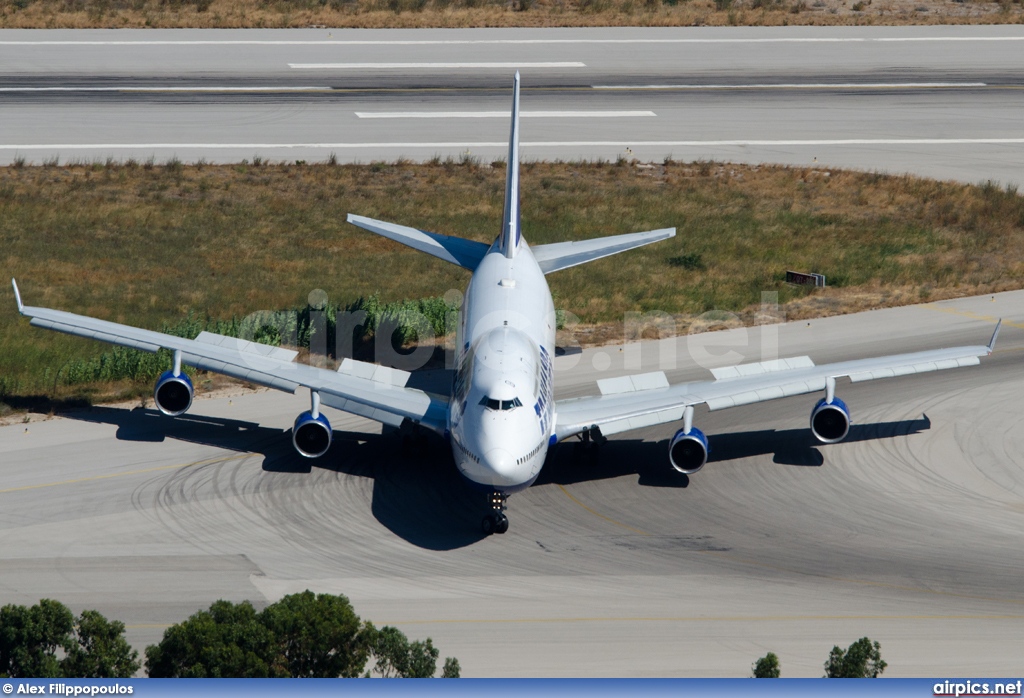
<point x="502" y="405"/>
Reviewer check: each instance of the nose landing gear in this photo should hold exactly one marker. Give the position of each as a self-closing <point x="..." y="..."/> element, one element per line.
<point x="496" y="521"/>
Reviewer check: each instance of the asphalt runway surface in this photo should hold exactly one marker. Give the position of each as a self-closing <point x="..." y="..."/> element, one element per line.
<point x="910" y="532"/>
<point x="942" y="102"/>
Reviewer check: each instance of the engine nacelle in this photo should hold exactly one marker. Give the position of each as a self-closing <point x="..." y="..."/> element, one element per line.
<point x="311" y="435"/>
<point x="173" y="393"/>
<point x="830" y="421"/>
<point x="688" y="452"/>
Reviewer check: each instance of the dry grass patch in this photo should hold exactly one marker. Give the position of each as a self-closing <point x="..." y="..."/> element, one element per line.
<point x="497" y="13"/>
<point x="150" y="246"/>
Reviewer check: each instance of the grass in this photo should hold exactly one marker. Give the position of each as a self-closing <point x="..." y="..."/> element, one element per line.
<point x="163" y="246"/>
<point x="497" y="13"/>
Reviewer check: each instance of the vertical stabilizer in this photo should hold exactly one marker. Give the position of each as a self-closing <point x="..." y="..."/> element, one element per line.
<point x="510" y="233"/>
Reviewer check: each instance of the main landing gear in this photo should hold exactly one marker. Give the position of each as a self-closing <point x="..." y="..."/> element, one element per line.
<point x="496" y="521"/>
<point x="587" y="448"/>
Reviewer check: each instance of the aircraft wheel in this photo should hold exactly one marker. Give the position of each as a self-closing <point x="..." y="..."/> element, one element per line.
<point x="502" y="525"/>
<point x="490" y="524"/>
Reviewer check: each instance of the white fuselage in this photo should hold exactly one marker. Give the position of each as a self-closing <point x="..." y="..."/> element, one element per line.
<point x="501" y="416"/>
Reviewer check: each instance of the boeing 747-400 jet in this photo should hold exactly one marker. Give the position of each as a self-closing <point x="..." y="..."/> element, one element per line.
<point x="501" y="416"/>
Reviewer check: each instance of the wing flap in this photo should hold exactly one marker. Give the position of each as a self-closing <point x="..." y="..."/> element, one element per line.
<point x="631" y="384"/>
<point x="730" y="372"/>
<point x="87" y="333"/>
<point x="915" y="368"/>
<point x="768" y="392"/>
<point x="374" y="372"/>
<point x="345" y="405"/>
<point x="237" y="344"/>
<point x="641" y="421"/>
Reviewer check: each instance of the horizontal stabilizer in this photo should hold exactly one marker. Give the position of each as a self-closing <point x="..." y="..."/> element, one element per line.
<point x="562" y="255"/>
<point x="465" y="253"/>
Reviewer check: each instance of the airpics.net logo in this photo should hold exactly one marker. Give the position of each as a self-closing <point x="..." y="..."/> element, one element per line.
<point x="409" y="338"/>
<point x="977" y="688"/>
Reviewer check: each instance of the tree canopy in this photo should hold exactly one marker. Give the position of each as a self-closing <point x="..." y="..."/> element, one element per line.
<point x="93" y="647"/>
<point x="861" y="660"/>
<point x="318" y="635"/>
<point x="303" y="635"/>
<point x="229" y="640"/>
<point x="767" y="667"/>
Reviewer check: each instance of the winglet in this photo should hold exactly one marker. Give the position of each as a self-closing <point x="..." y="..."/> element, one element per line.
<point x="17" y="296"/>
<point x="992" y="342"/>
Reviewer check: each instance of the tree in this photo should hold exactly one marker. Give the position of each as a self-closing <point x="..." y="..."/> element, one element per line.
<point x="29" y="638"/>
<point x="767" y="667"/>
<point x="451" y="670"/>
<point x="302" y="635"/>
<point x="861" y="660"/>
<point x="390" y="648"/>
<point x="396" y="657"/>
<point x="99" y="650"/>
<point x="227" y="641"/>
<point x="422" y="660"/>
<point x="319" y="635"/>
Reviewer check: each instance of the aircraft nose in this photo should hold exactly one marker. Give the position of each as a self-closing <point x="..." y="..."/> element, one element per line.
<point x="503" y="465"/>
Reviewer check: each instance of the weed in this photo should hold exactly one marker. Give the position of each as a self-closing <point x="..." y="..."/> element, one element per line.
<point x="691" y="261"/>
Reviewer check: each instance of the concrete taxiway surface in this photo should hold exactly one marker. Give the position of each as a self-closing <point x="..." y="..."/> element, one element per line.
<point x="937" y="101"/>
<point x="910" y="532"/>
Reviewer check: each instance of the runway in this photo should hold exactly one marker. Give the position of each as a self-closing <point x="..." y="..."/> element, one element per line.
<point x="909" y="532"/>
<point x="941" y="102"/>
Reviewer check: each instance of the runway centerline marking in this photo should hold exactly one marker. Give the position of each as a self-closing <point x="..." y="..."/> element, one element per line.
<point x="91" y="478"/>
<point x="863" y="582"/>
<point x="525" y="144"/>
<point x="431" y="66"/>
<point x="991" y="319"/>
<point x="501" y="114"/>
<point x="498" y="42"/>
<point x="600" y="515"/>
<point x="799" y="86"/>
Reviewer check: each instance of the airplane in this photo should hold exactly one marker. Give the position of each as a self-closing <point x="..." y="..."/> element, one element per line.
<point x="501" y="416"/>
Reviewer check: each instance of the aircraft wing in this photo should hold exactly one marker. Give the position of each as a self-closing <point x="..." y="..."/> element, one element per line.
<point x="372" y="391"/>
<point x="562" y="255"/>
<point x="632" y="402"/>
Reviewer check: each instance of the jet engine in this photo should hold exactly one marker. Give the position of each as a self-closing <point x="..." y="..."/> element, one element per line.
<point x="311" y="435"/>
<point x="173" y="393"/>
<point x="688" y="451"/>
<point x="830" y="421"/>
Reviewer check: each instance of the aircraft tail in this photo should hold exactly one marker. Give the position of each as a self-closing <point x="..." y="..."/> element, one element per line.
<point x="510" y="232"/>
